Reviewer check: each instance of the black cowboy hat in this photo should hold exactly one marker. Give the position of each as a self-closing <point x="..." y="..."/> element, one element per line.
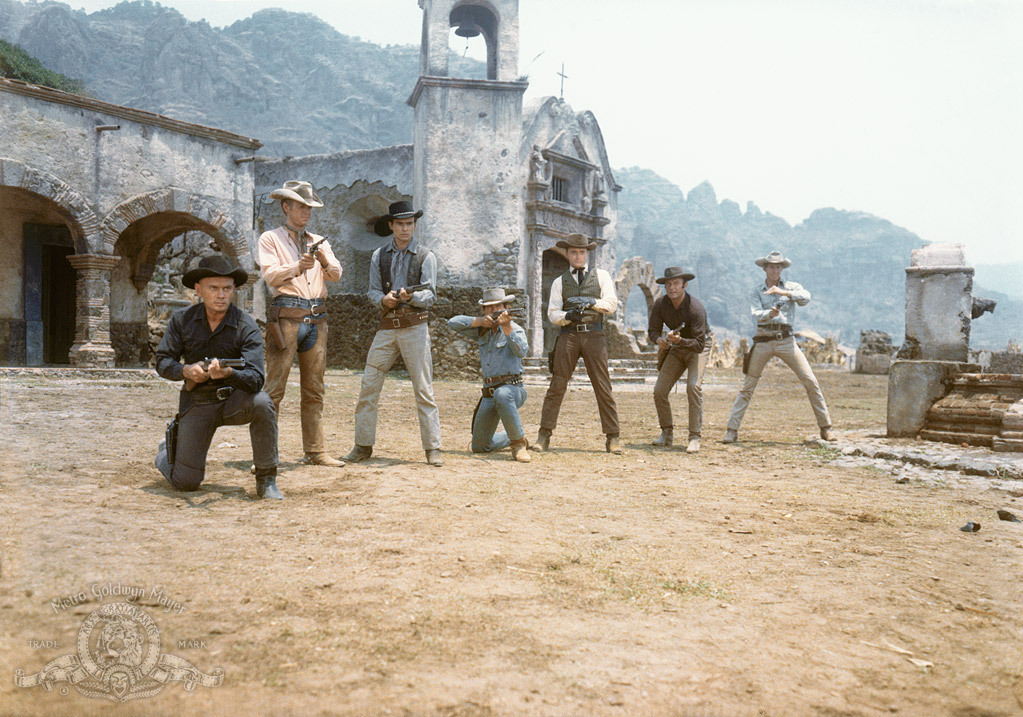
<point x="214" y="265"/>
<point x="676" y="272"/>
<point x="576" y="241"/>
<point x="397" y="210"/>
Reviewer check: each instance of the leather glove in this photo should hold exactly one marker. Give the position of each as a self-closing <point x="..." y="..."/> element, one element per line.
<point x="575" y="315"/>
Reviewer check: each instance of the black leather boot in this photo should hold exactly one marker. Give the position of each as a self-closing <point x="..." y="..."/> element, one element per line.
<point x="266" y="484"/>
<point x="666" y="438"/>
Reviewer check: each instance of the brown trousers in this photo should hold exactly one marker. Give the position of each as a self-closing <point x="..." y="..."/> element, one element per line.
<point x="593" y="349"/>
<point x="311" y="365"/>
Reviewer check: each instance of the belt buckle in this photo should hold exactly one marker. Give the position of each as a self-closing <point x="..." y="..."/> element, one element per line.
<point x="396" y="323"/>
<point x="224" y="393"/>
<point x="306" y="320"/>
<point x="582" y="328"/>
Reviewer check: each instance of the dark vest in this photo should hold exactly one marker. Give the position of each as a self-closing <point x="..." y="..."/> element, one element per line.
<point x="415" y="268"/>
<point x="590" y="286"/>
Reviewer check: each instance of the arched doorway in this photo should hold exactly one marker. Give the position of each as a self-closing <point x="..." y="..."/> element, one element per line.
<point x="554" y="265"/>
<point x="141" y="228"/>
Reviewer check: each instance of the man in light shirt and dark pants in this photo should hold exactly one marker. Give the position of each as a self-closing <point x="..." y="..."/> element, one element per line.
<point x="773" y="306"/>
<point x="580" y="299"/>
<point x="297" y="315"/>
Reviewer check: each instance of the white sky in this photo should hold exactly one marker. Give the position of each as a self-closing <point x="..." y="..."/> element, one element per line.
<point x="911" y="110"/>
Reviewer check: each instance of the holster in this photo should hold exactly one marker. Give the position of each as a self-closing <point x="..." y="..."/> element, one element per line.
<point x="273" y="326"/>
<point x="662" y="355"/>
<point x="171" y="437"/>
<point x="745" y="360"/>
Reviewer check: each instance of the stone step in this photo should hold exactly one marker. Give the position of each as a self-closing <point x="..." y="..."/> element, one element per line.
<point x="949" y="437"/>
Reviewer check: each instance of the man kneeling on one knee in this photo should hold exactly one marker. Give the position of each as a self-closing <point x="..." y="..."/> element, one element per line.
<point x="215" y="394"/>
<point x="502" y="344"/>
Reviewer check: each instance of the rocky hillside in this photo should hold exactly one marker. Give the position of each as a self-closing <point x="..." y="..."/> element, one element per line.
<point x="852" y="262"/>
<point x="302" y="87"/>
<point x="287" y="78"/>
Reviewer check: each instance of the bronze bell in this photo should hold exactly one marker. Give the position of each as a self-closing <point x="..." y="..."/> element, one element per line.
<point x="467" y="28"/>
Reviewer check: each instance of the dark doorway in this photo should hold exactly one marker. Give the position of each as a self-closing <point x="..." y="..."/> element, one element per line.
<point x="554" y="265"/>
<point x="50" y="290"/>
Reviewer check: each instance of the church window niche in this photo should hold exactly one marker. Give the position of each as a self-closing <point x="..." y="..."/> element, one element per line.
<point x="559" y="189"/>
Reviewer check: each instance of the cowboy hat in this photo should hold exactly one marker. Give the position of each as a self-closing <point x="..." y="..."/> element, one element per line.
<point x="495" y="296"/>
<point x="214" y="265"/>
<point x="576" y="241"/>
<point x="298" y="191"/>
<point x="774" y="257"/>
<point x="401" y="210"/>
<point x="676" y="272"/>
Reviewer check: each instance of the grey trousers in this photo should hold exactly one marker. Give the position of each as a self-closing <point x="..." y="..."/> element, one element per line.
<point x="787" y="351"/>
<point x="198" y="424"/>
<point x="413" y="345"/>
<point x="677" y="362"/>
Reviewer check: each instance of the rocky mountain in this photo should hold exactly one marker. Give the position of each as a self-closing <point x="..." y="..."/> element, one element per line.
<point x="853" y="263"/>
<point x="287" y="78"/>
<point x="302" y="87"/>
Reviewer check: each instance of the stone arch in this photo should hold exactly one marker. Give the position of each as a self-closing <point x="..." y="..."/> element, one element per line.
<point x="73" y="206"/>
<point x="360" y="230"/>
<point x="137" y="229"/>
<point x="634" y="272"/>
<point x="482" y="18"/>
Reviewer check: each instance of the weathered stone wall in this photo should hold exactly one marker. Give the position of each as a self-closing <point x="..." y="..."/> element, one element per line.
<point x="353" y="323"/>
<point x="12" y="341"/>
<point x="874" y="355"/>
<point x="356" y="188"/>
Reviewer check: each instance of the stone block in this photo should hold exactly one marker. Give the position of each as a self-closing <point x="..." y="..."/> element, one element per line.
<point x="913" y="387"/>
<point x="939" y="255"/>
<point x="873" y="364"/>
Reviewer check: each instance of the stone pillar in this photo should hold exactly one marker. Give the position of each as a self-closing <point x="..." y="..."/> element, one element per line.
<point x="939" y="304"/>
<point x="92" y="347"/>
<point x="535" y="289"/>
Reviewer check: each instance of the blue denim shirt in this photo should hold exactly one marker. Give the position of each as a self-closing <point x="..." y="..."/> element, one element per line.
<point x="761" y="303"/>
<point x="500" y="355"/>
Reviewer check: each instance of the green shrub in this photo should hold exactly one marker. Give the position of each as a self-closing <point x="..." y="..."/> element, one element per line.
<point x="17" y="64"/>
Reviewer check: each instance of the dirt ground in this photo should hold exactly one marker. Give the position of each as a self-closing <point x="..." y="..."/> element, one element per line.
<point x="752" y="579"/>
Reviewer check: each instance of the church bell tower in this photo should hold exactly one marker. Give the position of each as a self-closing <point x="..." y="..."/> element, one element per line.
<point x="469" y="177"/>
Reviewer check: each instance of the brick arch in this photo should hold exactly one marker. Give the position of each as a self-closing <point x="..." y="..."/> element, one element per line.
<point x="84" y="224"/>
<point x="634" y="272"/>
<point x="219" y="225"/>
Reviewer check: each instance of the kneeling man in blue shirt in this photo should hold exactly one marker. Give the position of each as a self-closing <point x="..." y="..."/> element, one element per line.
<point x="502" y="344"/>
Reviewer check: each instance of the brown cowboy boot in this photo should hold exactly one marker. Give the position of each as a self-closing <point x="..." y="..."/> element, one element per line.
<point x="519" y="450"/>
<point x="666" y="438"/>
<point x="611" y="444"/>
<point x="543" y="440"/>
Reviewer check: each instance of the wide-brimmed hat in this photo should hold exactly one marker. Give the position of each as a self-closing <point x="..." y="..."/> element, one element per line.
<point x="214" y="265"/>
<point x="298" y="191"/>
<point x="401" y="210"/>
<point x="774" y="257"/>
<point x="495" y="296"/>
<point x="676" y="272"/>
<point x="576" y="241"/>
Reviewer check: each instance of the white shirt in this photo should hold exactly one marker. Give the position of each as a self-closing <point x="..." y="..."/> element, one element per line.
<point x="606" y="304"/>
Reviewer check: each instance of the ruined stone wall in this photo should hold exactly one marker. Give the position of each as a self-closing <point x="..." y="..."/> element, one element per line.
<point x="353" y="323"/>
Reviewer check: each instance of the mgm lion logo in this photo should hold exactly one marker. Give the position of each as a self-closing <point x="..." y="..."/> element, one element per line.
<point x="119" y="659"/>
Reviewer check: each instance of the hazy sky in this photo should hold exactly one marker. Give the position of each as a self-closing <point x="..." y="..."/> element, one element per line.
<point x="908" y="109"/>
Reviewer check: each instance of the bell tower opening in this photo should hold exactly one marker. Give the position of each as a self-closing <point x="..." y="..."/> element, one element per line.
<point x="475" y="24"/>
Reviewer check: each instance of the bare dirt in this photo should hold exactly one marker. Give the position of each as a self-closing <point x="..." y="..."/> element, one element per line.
<point x="752" y="579"/>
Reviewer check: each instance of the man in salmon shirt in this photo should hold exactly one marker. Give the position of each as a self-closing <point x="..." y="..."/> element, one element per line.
<point x="297" y="315"/>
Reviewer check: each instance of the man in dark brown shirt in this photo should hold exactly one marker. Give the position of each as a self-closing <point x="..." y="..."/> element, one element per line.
<point x="680" y="351"/>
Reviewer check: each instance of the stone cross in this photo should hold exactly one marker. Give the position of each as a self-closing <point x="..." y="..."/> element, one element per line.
<point x="563" y="77"/>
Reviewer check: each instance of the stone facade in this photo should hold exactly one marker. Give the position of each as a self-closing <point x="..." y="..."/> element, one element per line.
<point x="874" y="355"/>
<point x="982" y="409"/>
<point x="100" y="189"/>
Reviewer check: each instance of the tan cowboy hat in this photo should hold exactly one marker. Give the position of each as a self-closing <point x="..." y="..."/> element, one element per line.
<point x="576" y="241"/>
<point x="676" y="272"/>
<point x="774" y="257"/>
<point x="495" y="296"/>
<point x="298" y="191"/>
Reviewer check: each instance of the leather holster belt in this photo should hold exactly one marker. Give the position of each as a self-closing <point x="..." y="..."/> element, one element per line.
<point x="583" y="328"/>
<point x="211" y="394"/>
<point x="315" y="315"/>
<point x="403" y="317"/>
<point x="493" y="383"/>
<point x="783" y="332"/>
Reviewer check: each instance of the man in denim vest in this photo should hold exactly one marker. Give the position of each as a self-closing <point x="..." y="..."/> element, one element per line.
<point x="773" y="307"/>
<point x="502" y="344"/>
<point x="580" y="299"/>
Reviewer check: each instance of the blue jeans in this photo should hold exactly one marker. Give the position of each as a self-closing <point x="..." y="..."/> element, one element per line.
<point x="504" y="406"/>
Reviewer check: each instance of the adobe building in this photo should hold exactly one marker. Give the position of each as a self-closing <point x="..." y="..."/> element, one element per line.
<point x="500" y="184"/>
<point x="89" y="194"/>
